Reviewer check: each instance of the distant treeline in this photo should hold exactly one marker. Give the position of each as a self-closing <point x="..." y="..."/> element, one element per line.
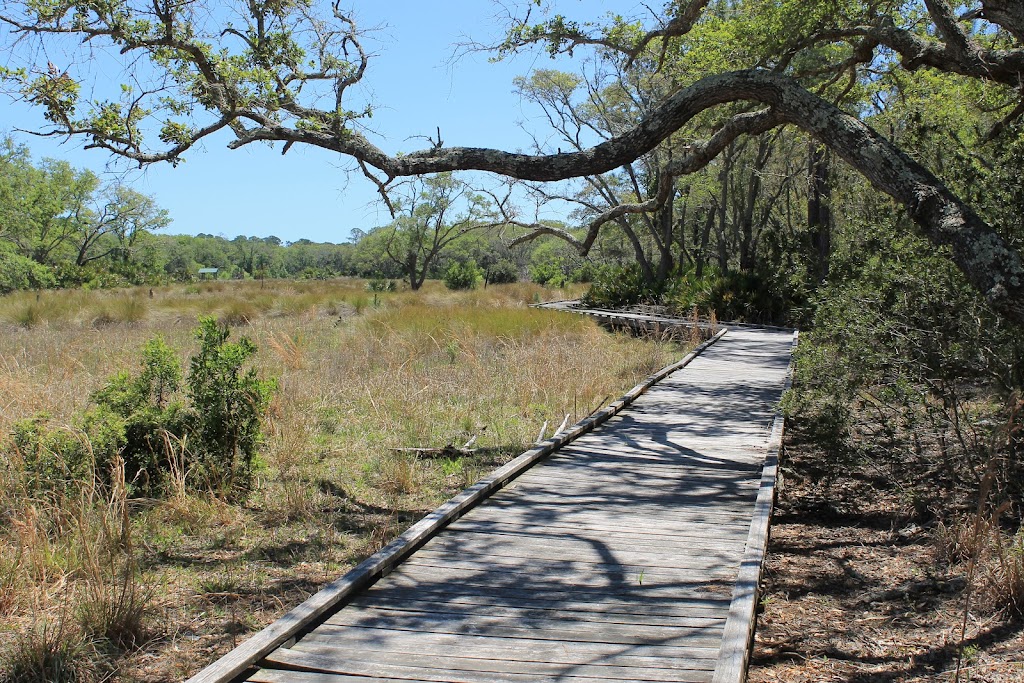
<point x="63" y="227"/>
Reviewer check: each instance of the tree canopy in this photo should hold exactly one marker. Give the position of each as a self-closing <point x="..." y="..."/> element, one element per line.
<point x="283" y="72"/>
<point x="52" y="214"/>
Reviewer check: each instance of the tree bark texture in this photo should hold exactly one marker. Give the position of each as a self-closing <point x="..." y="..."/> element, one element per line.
<point x="819" y="211"/>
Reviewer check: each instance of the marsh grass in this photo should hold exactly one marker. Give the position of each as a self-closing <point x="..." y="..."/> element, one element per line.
<point x="112" y="604"/>
<point x="75" y="575"/>
<point x="398" y="473"/>
<point x="28" y="315"/>
<point x="289" y="450"/>
<point x="997" y="554"/>
<point x="126" y="309"/>
<point x="1004" y="573"/>
<point x="238" y="312"/>
<point x="287" y="348"/>
<point x="47" y="651"/>
<point x="358" y="383"/>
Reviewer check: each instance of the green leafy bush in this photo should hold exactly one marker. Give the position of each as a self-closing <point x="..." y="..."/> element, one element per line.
<point x="466" y="275"/>
<point x="54" y="458"/>
<point x="588" y="271"/>
<point x="135" y="415"/>
<point x="142" y="409"/>
<point x="548" y="273"/>
<point x="18" y="272"/>
<point x="228" y="404"/>
<point x="503" y="272"/>
<point x="379" y="284"/>
<point x="753" y="297"/>
<point x="617" y="287"/>
<point x="909" y="363"/>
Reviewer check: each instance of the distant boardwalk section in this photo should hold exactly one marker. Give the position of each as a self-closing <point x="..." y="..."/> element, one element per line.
<point x="632" y="553"/>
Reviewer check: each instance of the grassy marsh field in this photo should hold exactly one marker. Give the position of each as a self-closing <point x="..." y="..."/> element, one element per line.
<point x="97" y="584"/>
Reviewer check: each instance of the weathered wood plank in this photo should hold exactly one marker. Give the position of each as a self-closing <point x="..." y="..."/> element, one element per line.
<point x="527" y="664"/>
<point x="515" y="649"/>
<point x="604" y="541"/>
<point x="644" y="519"/>
<point x="652" y="585"/>
<point x="739" y="631"/>
<point x="518" y="550"/>
<point x="612" y="473"/>
<point x="358" y="638"/>
<point x="683" y="535"/>
<point x="590" y="558"/>
<point x="645" y="516"/>
<point x="376" y="608"/>
<point x="694" y="593"/>
<point x="638" y="576"/>
<point x="590" y="487"/>
<point x="476" y="595"/>
<point x="553" y="570"/>
<point x="285" y="676"/>
<point x="543" y="629"/>
<point x="324" y="663"/>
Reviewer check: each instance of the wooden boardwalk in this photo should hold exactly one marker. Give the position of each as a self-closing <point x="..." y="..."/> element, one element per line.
<point x="627" y="555"/>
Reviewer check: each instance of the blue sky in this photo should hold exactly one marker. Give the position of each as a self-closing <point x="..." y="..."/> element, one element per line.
<point x="308" y="193"/>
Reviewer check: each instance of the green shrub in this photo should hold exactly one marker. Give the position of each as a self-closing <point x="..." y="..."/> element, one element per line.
<point x="466" y="275"/>
<point x="616" y="287"/>
<point x="228" y="404"/>
<point x="141" y="407"/>
<point x="379" y="284"/>
<point x="54" y="457"/>
<point x="134" y="415"/>
<point x="753" y="297"/>
<point x="912" y="364"/>
<point x="587" y="272"/>
<point x="18" y="272"/>
<point x="503" y="272"/>
<point x="548" y="273"/>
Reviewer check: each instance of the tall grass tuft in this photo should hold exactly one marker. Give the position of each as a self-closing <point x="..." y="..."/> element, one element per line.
<point x="48" y="652"/>
<point x="10" y="570"/>
<point x="997" y="558"/>
<point x="1004" y="572"/>
<point x="126" y="309"/>
<point x="112" y="604"/>
<point x="238" y="312"/>
<point x="288" y="452"/>
<point x="27" y="316"/>
<point x="399" y="473"/>
<point x="79" y="575"/>
<point x="178" y="469"/>
<point x="130" y="309"/>
<point x="287" y="348"/>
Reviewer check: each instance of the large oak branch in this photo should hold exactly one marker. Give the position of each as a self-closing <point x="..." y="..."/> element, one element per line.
<point x="988" y="262"/>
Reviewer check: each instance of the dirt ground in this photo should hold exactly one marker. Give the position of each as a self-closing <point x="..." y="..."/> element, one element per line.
<point x="857" y="589"/>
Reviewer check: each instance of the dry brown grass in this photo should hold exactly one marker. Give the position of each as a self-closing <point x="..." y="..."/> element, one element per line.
<point x="74" y="595"/>
<point x="998" y="555"/>
<point x="358" y="382"/>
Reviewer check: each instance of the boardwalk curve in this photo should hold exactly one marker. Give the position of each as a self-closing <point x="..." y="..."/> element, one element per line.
<point x="628" y="554"/>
